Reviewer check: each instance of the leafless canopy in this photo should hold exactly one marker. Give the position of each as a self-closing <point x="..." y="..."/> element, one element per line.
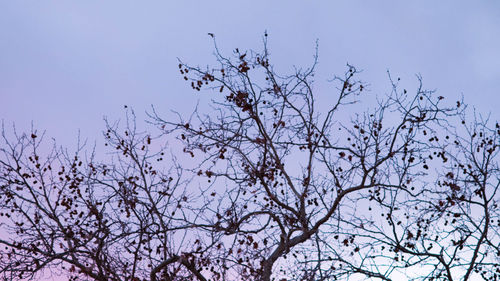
<point x="287" y="185"/>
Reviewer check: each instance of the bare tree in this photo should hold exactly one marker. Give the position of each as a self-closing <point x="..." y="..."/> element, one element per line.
<point x="442" y="221"/>
<point x="285" y="187"/>
<point x="125" y="218"/>
<point x="298" y="178"/>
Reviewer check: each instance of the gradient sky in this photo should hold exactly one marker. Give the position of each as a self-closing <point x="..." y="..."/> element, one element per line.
<point x="66" y="64"/>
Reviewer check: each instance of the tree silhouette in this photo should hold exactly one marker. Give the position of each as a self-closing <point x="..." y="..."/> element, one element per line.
<point x="284" y="188"/>
<point x="116" y="220"/>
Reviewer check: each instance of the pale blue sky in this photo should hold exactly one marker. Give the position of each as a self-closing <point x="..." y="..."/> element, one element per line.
<point x="65" y="64"/>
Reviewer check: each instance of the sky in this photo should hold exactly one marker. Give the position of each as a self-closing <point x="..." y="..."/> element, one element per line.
<point x="64" y="65"/>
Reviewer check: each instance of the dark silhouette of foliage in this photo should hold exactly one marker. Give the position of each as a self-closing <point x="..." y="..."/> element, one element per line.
<point x="283" y="188"/>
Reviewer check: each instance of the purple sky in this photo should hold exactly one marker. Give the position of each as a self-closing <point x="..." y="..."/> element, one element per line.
<point x="66" y="64"/>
